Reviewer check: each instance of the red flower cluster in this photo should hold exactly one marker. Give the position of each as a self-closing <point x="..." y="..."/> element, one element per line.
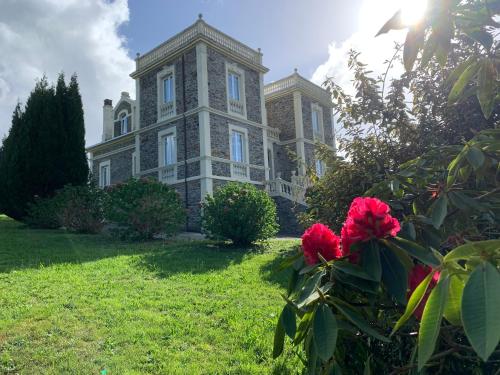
<point x="320" y="239"/>
<point x="417" y="275"/>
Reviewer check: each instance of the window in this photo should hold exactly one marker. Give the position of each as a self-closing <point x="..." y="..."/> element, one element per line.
<point x="169" y="150"/>
<point x="168" y="88"/>
<point x="166" y="93"/>
<point x="320" y="169"/>
<point x="104" y="174"/>
<point x="237" y="151"/>
<point x="317" y="121"/>
<point x="123" y="123"/>
<point x="234" y="86"/>
<point x="238" y="138"/>
<point x="235" y="78"/>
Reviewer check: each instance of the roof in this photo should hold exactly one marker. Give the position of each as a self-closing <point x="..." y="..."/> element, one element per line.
<point x="199" y="31"/>
<point x="296" y="82"/>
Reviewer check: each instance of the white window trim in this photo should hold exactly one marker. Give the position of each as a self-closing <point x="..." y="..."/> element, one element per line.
<point x="103" y="184"/>
<point x="129" y="121"/>
<point x="161" y="151"/>
<point x="319" y="109"/>
<point x="246" y="152"/>
<point x="159" y="80"/>
<point x="235" y="69"/>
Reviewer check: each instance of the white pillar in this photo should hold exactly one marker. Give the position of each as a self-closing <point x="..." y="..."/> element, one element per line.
<point x="206" y="183"/>
<point x="299" y="132"/>
<point x="263" y="113"/>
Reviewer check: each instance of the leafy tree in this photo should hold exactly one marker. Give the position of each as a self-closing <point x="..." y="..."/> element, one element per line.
<point x="45" y="147"/>
<point x="417" y="292"/>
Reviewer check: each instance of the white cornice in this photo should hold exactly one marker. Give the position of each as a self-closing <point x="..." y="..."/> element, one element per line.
<point x="199" y="31"/>
<point x="296" y="82"/>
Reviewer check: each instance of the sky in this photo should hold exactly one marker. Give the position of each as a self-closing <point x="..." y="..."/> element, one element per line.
<point x="98" y="39"/>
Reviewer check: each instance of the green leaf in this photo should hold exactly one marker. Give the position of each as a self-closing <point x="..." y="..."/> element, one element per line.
<point x="355" y="318"/>
<point x="453" y="302"/>
<point x="303" y="327"/>
<point x="414" y="301"/>
<point x="439" y="210"/>
<point x="325" y="332"/>
<point x="351" y="269"/>
<point x="394" y="23"/>
<point x="487" y="89"/>
<point x="289" y="320"/>
<point x="475" y="157"/>
<point x="370" y="260"/>
<point x="394" y="275"/>
<point x="481" y="309"/>
<point x="474" y="249"/>
<point x="310" y="287"/>
<point x="367" y="370"/>
<point x="415" y="250"/>
<point x="413" y="43"/>
<point x="431" y="321"/>
<point x="461" y="83"/>
<point x="279" y="339"/>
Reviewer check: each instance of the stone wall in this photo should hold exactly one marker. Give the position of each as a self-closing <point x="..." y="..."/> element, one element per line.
<point x="307" y="120"/>
<point x="149" y="88"/>
<point x="121" y="166"/>
<point x="194" y="202"/>
<point x="280" y="114"/>
<point x="149" y="142"/>
<point x="310" y="159"/>
<point x="123" y="142"/>
<point x="287" y="216"/>
<point x="217" y="85"/>
<point x="283" y="161"/>
<point x="219" y="137"/>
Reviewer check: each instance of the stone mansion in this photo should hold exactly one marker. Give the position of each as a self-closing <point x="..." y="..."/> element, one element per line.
<point x="202" y="116"/>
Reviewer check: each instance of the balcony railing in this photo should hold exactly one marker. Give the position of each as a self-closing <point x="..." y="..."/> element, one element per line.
<point x="186" y="37"/>
<point x="273" y="133"/>
<point x="295" y="81"/>
<point x="167" y="110"/>
<point x="168" y="174"/>
<point x="281" y="188"/>
<point x="239" y="171"/>
<point x="236" y="106"/>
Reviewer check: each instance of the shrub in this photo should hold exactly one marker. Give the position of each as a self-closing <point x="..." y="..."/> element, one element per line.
<point x="142" y="209"/>
<point x="43" y="213"/>
<point x="240" y="213"/>
<point x="81" y="208"/>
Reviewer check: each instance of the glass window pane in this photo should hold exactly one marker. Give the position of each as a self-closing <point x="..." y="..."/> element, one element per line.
<point x="168" y="89"/>
<point x="169" y="150"/>
<point x="237" y="147"/>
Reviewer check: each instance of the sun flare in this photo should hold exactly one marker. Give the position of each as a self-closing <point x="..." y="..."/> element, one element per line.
<point x="412" y="11"/>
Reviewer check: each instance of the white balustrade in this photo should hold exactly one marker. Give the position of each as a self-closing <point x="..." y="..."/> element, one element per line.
<point x="285" y="189"/>
<point x="184" y="38"/>
<point x="239" y="171"/>
<point x="273" y="133"/>
<point x="167" y="110"/>
<point x="168" y="174"/>
<point x="236" y="106"/>
<point x="295" y="81"/>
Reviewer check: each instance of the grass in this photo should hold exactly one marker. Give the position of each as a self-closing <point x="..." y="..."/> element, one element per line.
<point x="82" y="304"/>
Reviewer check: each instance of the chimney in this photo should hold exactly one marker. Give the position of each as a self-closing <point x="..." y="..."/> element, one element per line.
<point x="107" y="120"/>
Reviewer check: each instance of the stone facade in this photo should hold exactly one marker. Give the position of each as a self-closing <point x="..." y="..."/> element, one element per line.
<point x="203" y="123"/>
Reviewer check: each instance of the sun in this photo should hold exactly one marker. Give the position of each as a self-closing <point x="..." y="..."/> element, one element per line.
<point x="412" y="11"/>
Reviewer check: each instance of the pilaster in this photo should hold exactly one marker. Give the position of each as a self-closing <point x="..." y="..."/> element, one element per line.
<point x="299" y="132"/>
<point x="206" y="182"/>
<point x="263" y="114"/>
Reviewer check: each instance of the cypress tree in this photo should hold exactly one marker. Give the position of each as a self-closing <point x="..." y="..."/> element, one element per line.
<point x="45" y="148"/>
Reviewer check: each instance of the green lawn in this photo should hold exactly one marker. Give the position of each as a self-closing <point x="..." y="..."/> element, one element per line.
<point x="81" y="304"/>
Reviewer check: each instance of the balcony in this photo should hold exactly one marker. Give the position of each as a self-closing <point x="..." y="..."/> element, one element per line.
<point x="167" y="110"/>
<point x="239" y="171"/>
<point x="237" y="106"/>
<point x="168" y="174"/>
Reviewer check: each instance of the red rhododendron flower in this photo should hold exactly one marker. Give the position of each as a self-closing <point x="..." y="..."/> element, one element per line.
<point x="320" y="239"/>
<point x="369" y="218"/>
<point x="417" y="275"/>
<point x="346" y="246"/>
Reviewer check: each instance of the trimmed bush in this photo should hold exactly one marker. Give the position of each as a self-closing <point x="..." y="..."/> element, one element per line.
<point x="43" y="213"/>
<point x="76" y="208"/>
<point x="142" y="209"/>
<point x="240" y="213"/>
<point x="81" y="208"/>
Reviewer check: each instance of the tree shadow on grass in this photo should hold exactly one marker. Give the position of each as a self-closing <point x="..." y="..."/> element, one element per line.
<point x="271" y="272"/>
<point x="22" y="247"/>
<point x="194" y="257"/>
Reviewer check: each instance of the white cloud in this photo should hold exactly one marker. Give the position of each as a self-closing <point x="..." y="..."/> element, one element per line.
<point x="49" y="36"/>
<point x="374" y="50"/>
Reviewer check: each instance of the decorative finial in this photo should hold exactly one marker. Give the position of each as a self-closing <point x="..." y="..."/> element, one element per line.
<point x="137" y="55"/>
<point x="295" y="70"/>
<point x="200" y="16"/>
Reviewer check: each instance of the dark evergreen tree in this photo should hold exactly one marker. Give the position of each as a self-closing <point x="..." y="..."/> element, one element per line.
<point x="45" y="148"/>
